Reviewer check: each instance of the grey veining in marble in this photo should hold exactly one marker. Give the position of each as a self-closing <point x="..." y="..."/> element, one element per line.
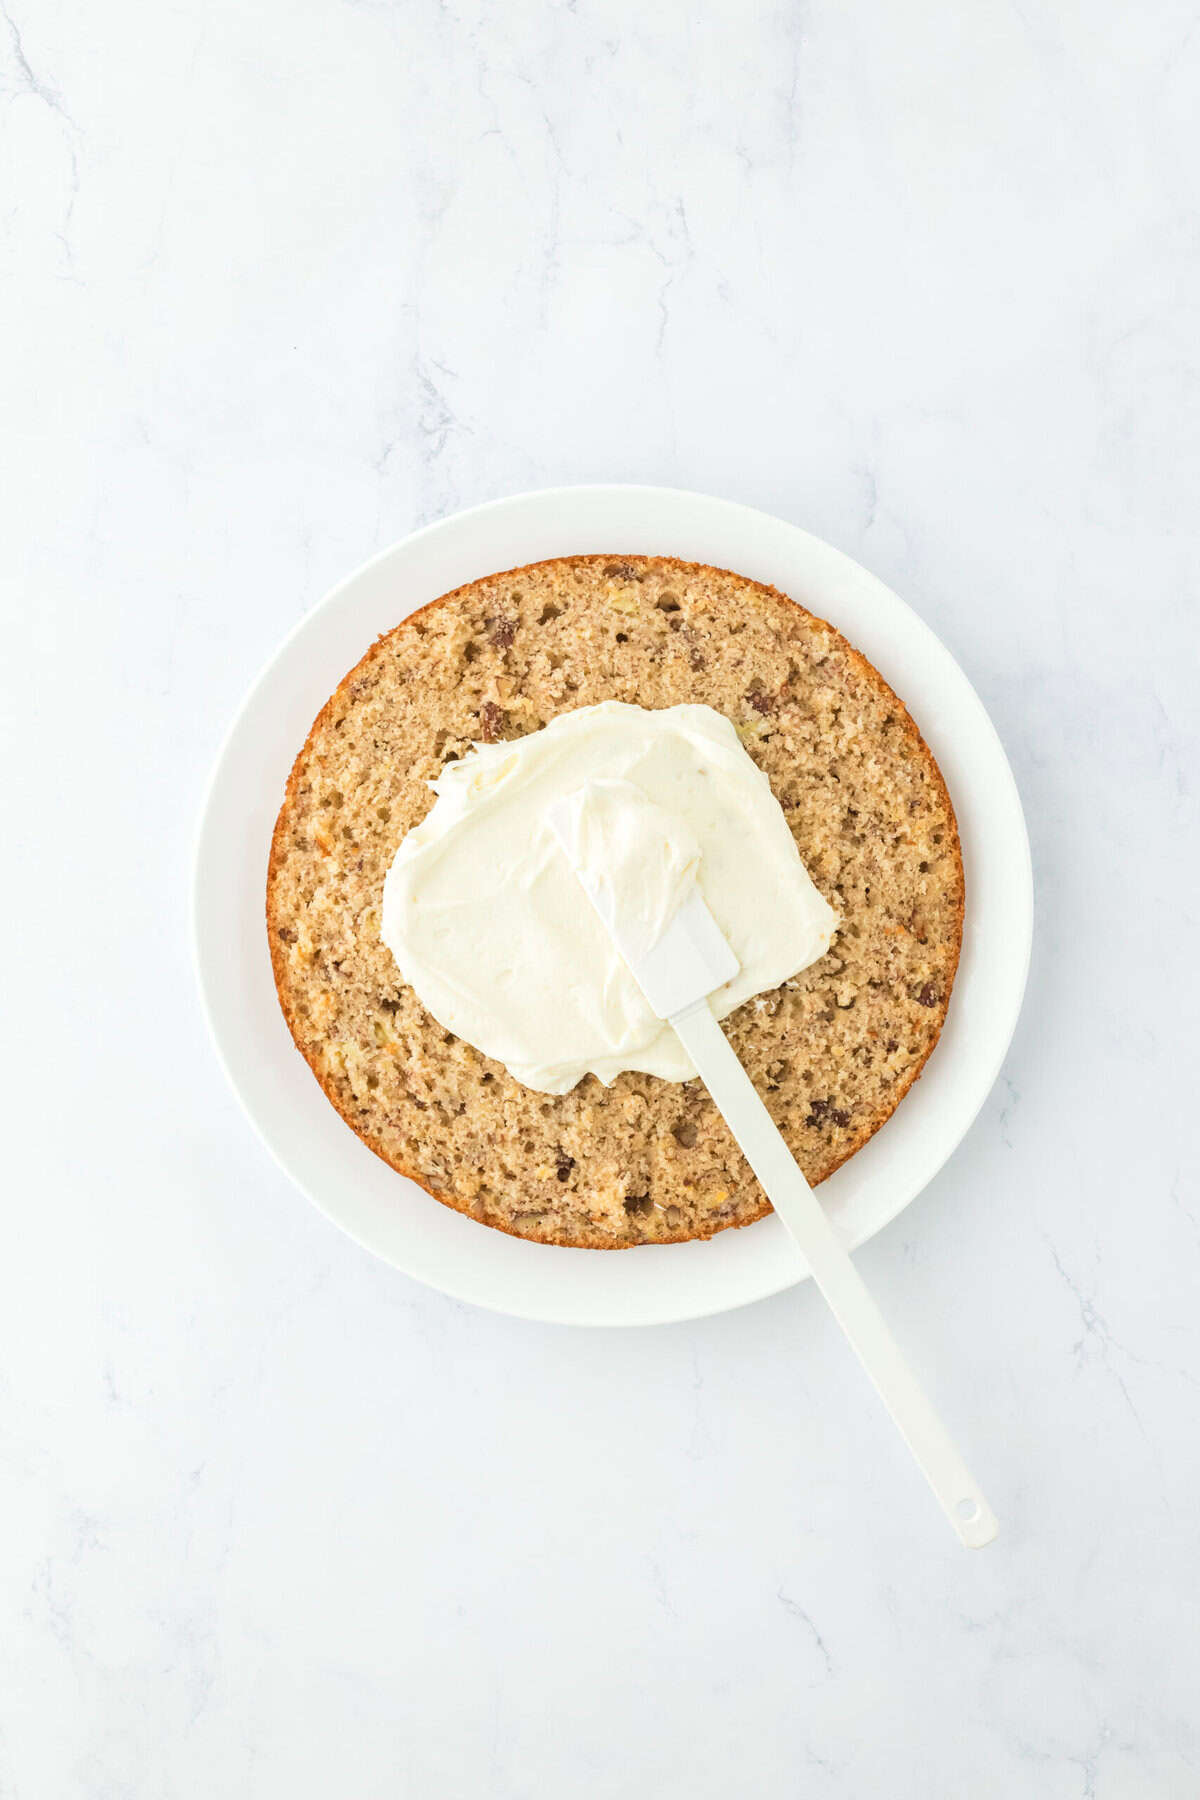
<point x="280" y="281"/>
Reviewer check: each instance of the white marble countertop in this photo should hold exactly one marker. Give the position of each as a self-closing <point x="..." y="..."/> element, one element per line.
<point x="281" y="281"/>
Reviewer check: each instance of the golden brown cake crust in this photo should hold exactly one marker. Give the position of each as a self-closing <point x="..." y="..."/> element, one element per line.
<point x="833" y="1051"/>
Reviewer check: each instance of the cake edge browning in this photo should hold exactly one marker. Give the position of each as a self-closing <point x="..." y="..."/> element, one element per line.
<point x="870" y="1126"/>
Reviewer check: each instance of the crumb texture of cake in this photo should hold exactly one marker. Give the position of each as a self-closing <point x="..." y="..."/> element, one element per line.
<point x="832" y="1051"/>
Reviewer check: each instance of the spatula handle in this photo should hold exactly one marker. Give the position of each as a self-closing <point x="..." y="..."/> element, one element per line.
<point x="835" y="1274"/>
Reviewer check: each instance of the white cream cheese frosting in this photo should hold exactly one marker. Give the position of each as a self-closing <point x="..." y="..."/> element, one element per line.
<point x="489" y="924"/>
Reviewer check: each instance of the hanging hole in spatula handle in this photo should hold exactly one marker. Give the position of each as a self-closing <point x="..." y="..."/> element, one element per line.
<point x="974" y="1521"/>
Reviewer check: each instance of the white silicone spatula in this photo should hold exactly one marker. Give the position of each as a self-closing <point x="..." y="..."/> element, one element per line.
<point x="689" y="962"/>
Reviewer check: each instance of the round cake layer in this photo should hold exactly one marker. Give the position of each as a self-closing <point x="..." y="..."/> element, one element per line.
<point x="832" y="1051"/>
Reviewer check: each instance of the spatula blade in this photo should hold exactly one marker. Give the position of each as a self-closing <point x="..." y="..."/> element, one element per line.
<point x="691" y="959"/>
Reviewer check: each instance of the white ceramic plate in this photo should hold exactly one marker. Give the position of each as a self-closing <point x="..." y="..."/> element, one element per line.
<point x="391" y="1215"/>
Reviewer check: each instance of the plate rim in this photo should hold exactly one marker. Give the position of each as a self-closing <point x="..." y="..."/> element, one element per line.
<point x="786" y="1272"/>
